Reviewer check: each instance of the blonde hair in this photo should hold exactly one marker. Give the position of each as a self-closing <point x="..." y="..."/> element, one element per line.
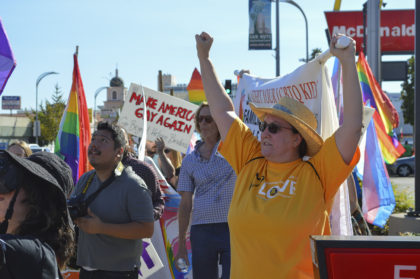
<point x="23" y="145"/>
<point x="176" y="158"/>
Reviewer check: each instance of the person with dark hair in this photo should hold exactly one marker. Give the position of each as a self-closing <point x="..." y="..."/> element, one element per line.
<point x="113" y="209"/>
<point x="281" y="199"/>
<point x="148" y="174"/>
<point x="207" y="178"/>
<point x="36" y="234"/>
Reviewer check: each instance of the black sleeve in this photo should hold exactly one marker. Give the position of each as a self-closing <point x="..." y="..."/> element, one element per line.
<point x="27" y="257"/>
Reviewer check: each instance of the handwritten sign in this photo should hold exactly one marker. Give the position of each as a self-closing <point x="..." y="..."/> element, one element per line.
<point x="168" y="117"/>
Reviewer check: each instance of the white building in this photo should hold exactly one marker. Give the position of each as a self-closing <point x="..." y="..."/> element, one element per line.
<point x="115" y="96"/>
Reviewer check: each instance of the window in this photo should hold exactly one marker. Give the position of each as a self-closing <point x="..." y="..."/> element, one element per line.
<point x="114" y="95"/>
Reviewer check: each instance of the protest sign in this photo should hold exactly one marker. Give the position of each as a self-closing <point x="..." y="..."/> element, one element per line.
<point x="150" y="261"/>
<point x="168" y="117"/>
<point x="303" y="85"/>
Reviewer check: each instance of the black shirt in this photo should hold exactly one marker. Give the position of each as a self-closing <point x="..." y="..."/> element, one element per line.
<point x="26" y="257"/>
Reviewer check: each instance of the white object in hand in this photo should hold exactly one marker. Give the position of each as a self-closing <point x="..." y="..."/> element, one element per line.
<point x="342" y="42"/>
<point x="182" y="265"/>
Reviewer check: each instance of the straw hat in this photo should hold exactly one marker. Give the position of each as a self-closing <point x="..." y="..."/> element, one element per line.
<point x="297" y="115"/>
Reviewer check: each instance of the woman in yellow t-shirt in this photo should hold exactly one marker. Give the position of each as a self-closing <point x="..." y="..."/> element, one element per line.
<point x="280" y="200"/>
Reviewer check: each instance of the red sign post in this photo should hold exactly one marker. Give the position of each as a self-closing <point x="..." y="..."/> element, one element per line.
<point x="397" y="29"/>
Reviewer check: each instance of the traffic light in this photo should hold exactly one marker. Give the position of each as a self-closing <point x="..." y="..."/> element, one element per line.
<point x="228" y="86"/>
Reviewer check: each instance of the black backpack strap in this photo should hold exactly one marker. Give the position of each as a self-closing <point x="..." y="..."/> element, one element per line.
<point x="105" y="184"/>
<point x="313" y="169"/>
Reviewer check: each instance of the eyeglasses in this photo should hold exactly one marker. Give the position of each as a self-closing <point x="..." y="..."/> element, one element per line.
<point x="272" y="128"/>
<point x="207" y="118"/>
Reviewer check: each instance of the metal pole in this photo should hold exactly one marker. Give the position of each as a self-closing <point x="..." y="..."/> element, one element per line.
<point x="306" y="24"/>
<point x="94" y="105"/>
<point x="36" y="115"/>
<point x="37" y="126"/>
<point x="160" y="81"/>
<point x="373" y="38"/>
<point x="364" y="28"/>
<point x="416" y="114"/>
<point x="277" y="38"/>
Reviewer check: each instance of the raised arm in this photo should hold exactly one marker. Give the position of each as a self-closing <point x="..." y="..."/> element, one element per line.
<point x="221" y="106"/>
<point x="166" y="166"/>
<point x="348" y="135"/>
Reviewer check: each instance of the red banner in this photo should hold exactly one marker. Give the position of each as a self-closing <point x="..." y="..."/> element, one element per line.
<point x="397" y="28"/>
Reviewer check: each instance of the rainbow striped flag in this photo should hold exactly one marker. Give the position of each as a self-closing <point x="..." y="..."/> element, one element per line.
<point x="195" y="88"/>
<point x="74" y="135"/>
<point x="387" y="118"/>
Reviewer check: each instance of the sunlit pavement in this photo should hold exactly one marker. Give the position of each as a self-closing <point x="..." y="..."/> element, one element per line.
<point x="403" y="184"/>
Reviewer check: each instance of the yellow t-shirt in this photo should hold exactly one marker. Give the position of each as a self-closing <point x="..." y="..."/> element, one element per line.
<point x="277" y="206"/>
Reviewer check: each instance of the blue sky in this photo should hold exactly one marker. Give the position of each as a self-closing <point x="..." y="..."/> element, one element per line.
<point x="143" y="37"/>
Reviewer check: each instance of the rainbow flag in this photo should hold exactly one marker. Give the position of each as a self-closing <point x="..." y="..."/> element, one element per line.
<point x="7" y="60"/>
<point x="74" y="135"/>
<point x="387" y="118"/>
<point x="195" y="88"/>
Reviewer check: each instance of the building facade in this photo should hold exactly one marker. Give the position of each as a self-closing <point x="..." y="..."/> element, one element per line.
<point x="115" y="96"/>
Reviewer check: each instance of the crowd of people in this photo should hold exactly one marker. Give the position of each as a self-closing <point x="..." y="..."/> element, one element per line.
<point x="250" y="205"/>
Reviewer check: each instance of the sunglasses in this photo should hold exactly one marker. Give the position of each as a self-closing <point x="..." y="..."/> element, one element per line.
<point x="207" y="118"/>
<point x="166" y="150"/>
<point x="272" y="128"/>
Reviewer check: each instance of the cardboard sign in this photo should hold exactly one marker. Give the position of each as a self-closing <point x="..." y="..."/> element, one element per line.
<point x="168" y="117"/>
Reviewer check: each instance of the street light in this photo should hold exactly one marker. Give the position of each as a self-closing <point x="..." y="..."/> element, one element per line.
<point x="278" y="32"/>
<point x="94" y="105"/>
<point x="37" y="126"/>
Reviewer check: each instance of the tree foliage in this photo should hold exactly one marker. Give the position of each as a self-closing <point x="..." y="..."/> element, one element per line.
<point x="315" y="52"/>
<point x="49" y="116"/>
<point x="407" y="94"/>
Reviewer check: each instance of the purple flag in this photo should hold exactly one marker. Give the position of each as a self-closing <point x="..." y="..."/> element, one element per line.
<point x="7" y="61"/>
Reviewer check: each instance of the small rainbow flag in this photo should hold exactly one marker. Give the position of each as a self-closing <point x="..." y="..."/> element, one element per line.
<point x="74" y="136"/>
<point x="195" y="88"/>
<point x="387" y="118"/>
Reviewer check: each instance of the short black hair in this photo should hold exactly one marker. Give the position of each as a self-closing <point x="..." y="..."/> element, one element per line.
<point x="116" y="133"/>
